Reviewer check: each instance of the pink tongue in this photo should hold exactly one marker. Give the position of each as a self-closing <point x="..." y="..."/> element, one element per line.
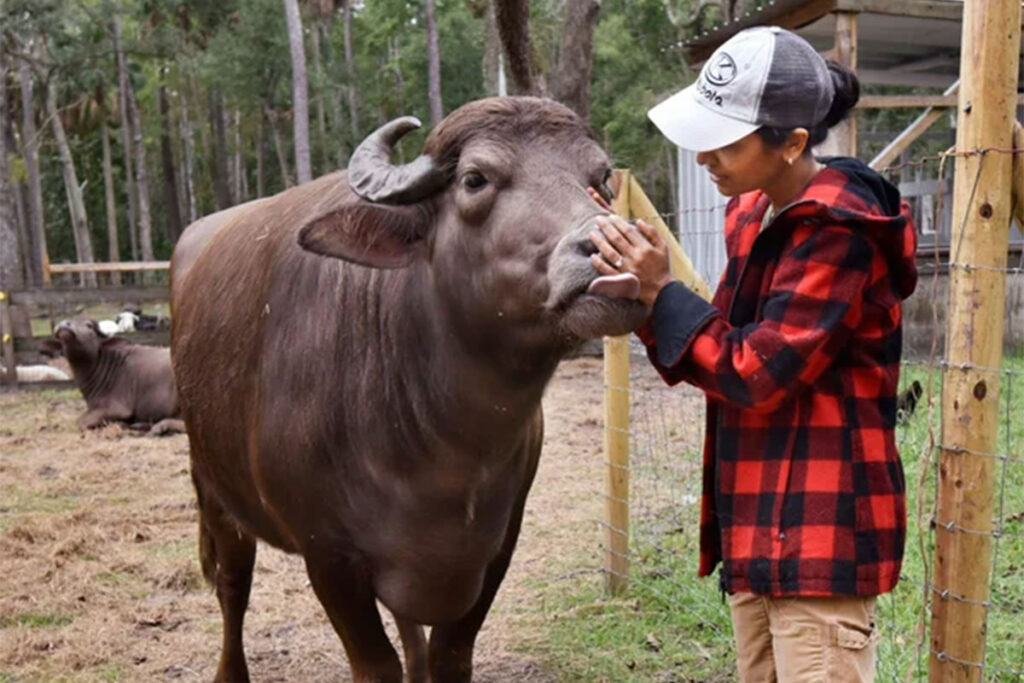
<point x="621" y="286"/>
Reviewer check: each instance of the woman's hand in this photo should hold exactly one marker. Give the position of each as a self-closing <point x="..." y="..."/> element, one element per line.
<point x="627" y="248"/>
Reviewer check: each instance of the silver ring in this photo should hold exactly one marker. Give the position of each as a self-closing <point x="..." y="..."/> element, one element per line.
<point x="618" y="262"/>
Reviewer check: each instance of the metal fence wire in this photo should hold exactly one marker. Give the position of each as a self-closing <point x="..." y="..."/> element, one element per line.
<point x="665" y="436"/>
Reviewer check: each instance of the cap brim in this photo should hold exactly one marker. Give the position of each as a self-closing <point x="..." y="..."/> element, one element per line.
<point x="689" y="124"/>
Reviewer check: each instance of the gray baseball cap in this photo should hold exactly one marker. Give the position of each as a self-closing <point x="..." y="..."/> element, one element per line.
<point x="763" y="76"/>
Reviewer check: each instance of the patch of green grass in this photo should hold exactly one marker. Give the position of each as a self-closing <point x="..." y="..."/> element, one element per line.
<point x="671" y="626"/>
<point x="111" y="673"/>
<point x="35" y="620"/>
<point x="20" y="501"/>
<point x="180" y="548"/>
<point x="656" y="631"/>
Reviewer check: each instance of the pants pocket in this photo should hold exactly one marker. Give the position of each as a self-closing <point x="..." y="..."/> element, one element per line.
<point x="852" y="653"/>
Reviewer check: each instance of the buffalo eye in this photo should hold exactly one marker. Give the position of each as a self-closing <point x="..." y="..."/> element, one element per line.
<point x="473" y="180"/>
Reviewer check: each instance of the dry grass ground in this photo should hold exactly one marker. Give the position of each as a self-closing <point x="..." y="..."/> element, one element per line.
<point x="100" y="579"/>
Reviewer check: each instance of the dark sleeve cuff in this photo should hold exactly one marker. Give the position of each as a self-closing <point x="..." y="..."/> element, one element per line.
<point x="678" y="315"/>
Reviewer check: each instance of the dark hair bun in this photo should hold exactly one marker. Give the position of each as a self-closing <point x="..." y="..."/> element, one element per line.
<point x="847" y="92"/>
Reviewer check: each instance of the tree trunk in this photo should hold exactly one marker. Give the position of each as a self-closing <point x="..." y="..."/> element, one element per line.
<point x="395" y="54"/>
<point x="113" y="244"/>
<point x="300" y="92"/>
<point x="336" y="97"/>
<point x="17" y="196"/>
<point x="572" y="79"/>
<point x="321" y="118"/>
<point x="350" y="73"/>
<point x="433" y="66"/>
<point x="218" y="155"/>
<point x="141" y="180"/>
<point x="17" y="199"/>
<point x="188" y="153"/>
<point x="11" y="273"/>
<point x="204" y="141"/>
<point x="492" y="51"/>
<point x="124" y="87"/>
<point x="170" y="178"/>
<point x="279" y="148"/>
<point x="260" y="142"/>
<point x="513" y="19"/>
<point x="12" y="276"/>
<point x="40" y="259"/>
<point x="76" y="206"/>
<point x="241" y="186"/>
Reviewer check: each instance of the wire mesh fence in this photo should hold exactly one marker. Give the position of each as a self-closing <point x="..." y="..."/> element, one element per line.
<point x="665" y="435"/>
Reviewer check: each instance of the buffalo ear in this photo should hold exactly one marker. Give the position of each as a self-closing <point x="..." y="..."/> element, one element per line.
<point x="375" y="235"/>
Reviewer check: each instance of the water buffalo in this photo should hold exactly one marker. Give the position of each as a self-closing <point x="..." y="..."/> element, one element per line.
<point x="361" y="360"/>
<point x="120" y="381"/>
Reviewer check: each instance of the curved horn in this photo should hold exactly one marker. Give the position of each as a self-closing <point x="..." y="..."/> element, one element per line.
<point x="373" y="177"/>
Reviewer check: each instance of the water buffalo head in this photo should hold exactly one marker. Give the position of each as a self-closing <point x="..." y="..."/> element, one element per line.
<point x="495" y="214"/>
<point x="79" y="339"/>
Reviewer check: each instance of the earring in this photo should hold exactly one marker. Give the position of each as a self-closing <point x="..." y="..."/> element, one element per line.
<point x="790" y="161"/>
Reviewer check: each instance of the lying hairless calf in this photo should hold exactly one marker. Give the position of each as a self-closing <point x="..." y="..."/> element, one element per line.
<point x="120" y="381"/>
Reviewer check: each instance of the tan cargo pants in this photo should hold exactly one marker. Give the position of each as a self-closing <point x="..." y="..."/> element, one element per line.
<point x="804" y="640"/>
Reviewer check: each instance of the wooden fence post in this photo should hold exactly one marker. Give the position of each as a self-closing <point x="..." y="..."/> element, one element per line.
<point x="971" y="387"/>
<point x="7" y="340"/>
<point x="845" y="52"/>
<point x="640" y="206"/>
<point x="616" y="438"/>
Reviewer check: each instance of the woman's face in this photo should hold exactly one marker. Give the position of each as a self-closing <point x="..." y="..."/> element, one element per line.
<point x="745" y="165"/>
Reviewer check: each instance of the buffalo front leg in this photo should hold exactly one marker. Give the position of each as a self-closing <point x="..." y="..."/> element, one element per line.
<point x="414" y="647"/>
<point x="450" y="654"/>
<point x="344" y="590"/>
<point x="227" y="555"/>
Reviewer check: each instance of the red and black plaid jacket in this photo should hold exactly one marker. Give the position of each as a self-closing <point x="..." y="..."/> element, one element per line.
<point x="799" y="356"/>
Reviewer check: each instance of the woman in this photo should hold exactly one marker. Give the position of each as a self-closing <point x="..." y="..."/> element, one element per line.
<point x="798" y="353"/>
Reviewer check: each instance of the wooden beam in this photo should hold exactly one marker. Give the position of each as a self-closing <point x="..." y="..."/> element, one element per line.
<point x="912" y="132"/>
<point x="924" y="9"/>
<point x="60" y="297"/>
<point x="982" y="197"/>
<point x="906" y="101"/>
<point x="789" y="14"/>
<point x="909" y="101"/>
<point x="116" y="267"/>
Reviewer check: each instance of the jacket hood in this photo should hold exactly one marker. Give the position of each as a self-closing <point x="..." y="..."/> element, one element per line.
<point x="851" y="193"/>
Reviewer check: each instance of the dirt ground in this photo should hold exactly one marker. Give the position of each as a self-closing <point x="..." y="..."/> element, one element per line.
<point x="100" y="578"/>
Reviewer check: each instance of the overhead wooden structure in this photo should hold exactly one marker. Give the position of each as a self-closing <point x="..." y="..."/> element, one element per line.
<point x="902" y="42"/>
<point x="887" y="42"/>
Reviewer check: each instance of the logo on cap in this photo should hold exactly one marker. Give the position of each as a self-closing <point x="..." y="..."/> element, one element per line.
<point x="722" y="70"/>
